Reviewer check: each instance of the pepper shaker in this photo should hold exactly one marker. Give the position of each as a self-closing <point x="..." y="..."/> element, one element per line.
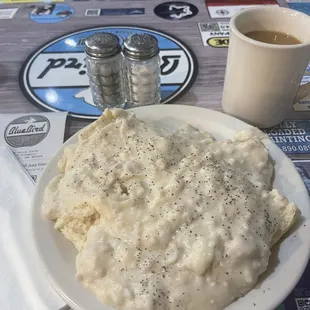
<point x="142" y="69"/>
<point x="104" y="63"/>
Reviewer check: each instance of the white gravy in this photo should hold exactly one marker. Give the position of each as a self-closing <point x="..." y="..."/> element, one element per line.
<point x="166" y="220"/>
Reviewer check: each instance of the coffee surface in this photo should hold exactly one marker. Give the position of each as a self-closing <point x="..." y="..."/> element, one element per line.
<point x="273" y="37"/>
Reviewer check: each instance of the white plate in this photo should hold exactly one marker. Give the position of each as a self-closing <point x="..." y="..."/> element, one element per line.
<point x="57" y="255"/>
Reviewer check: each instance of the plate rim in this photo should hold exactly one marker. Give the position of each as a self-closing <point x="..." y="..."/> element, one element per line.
<point x="302" y="264"/>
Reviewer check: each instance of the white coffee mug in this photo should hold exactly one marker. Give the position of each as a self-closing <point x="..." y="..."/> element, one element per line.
<point x="262" y="80"/>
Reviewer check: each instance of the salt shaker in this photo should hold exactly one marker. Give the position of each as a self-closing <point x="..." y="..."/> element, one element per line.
<point x="142" y="70"/>
<point x="104" y="62"/>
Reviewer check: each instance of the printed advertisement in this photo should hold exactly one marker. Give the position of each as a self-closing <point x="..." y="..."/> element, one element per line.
<point x="303" y="7"/>
<point x="33" y="138"/>
<point x="227" y="8"/>
<point x="214" y="34"/>
<point x="176" y="10"/>
<point x="51" y="13"/>
<point x="8" y="13"/>
<point x="28" y="1"/>
<point x="292" y="137"/>
<point x="102" y="12"/>
<point x="304" y="104"/>
<point x="303" y="167"/>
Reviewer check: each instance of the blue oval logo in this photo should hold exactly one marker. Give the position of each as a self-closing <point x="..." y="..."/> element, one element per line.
<point x="54" y="77"/>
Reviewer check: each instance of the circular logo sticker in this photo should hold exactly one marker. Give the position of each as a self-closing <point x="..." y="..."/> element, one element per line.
<point x="218" y="41"/>
<point x="27" y="130"/>
<point x="176" y="10"/>
<point x="51" y="13"/>
<point x="222" y="12"/>
<point x="54" y="77"/>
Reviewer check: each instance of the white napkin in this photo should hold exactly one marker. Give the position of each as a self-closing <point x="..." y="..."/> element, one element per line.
<point x="22" y="286"/>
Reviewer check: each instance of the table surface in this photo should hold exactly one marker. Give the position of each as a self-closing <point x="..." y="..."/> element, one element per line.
<point x="20" y="36"/>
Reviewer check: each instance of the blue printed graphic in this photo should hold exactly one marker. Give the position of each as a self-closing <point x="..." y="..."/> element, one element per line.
<point x="55" y="78"/>
<point x="51" y="13"/>
<point x="131" y="11"/>
<point x="64" y="99"/>
<point x="75" y="101"/>
<point x="292" y="137"/>
<point x="303" y="7"/>
<point x="303" y="167"/>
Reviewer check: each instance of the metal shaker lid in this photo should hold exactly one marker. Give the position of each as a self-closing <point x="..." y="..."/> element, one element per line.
<point x="102" y="44"/>
<point x="141" y="46"/>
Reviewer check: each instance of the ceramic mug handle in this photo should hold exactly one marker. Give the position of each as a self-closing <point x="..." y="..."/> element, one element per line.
<point x="302" y="92"/>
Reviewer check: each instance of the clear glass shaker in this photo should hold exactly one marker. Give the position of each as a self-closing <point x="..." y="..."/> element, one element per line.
<point x="142" y="70"/>
<point x="104" y="62"/>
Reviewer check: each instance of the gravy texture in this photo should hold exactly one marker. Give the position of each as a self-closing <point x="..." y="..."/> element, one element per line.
<point x="166" y="220"/>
